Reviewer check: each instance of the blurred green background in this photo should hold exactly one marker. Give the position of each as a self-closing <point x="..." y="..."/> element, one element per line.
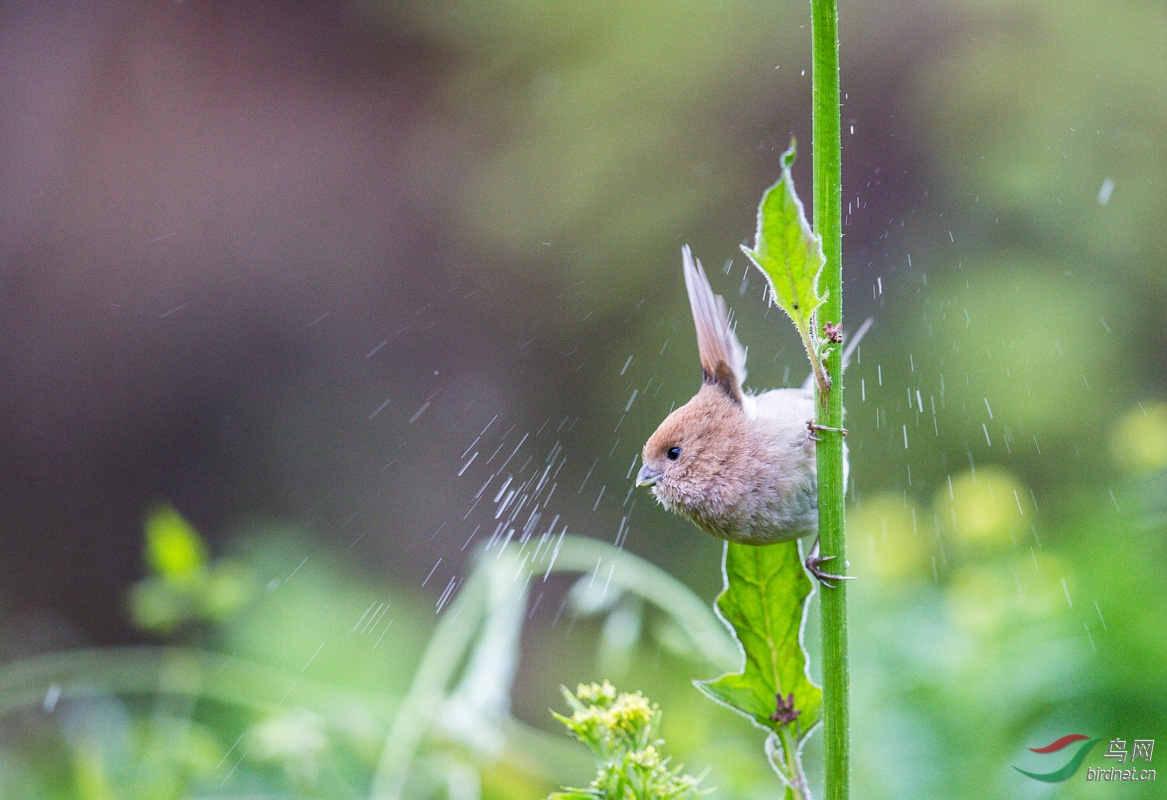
<point x="290" y="292"/>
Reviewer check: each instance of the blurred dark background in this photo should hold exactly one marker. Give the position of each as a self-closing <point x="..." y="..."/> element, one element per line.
<point x="289" y="265"/>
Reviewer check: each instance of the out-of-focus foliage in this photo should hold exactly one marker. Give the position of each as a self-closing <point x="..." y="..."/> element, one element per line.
<point x="598" y="126"/>
<point x="1139" y="443"/>
<point x="315" y="731"/>
<point x="182" y="586"/>
<point x="1055" y="122"/>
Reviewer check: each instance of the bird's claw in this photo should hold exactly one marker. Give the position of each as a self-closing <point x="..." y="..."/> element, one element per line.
<point x="814" y="564"/>
<point x="813" y="426"/>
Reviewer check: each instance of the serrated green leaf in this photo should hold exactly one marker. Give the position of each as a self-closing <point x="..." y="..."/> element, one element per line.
<point x="787" y="251"/>
<point x="763" y="604"/>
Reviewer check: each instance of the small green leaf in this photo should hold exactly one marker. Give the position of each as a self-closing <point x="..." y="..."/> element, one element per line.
<point x="229" y="585"/>
<point x="763" y="605"/>
<point x="159" y="606"/>
<point x="174" y="549"/>
<point x="787" y="251"/>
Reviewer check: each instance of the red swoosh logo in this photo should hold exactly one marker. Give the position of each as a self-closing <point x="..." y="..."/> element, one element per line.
<point x="1053" y="747"/>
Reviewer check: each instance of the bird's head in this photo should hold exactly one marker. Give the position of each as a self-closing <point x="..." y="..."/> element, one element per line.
<point x="686" y="458"/>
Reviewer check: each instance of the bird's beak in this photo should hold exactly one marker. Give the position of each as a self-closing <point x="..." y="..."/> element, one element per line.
<point x="647" y="476"/>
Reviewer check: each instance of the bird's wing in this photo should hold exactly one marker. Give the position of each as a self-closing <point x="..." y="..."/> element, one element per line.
<point x="723" y="360"/>
<point x="848" y="351"/>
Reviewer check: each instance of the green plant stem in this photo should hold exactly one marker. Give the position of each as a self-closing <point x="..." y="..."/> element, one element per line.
<point x="793" y="770"/>
<point x="826" y="148"/>
<point x="821" y="381"/>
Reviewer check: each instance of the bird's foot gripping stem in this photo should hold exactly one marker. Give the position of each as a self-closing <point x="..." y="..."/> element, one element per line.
<point x="813" y="427"/>
<point x="814" y="564"/>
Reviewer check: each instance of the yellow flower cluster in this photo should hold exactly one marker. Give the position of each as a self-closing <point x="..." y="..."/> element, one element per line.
<point x="630" y="713"/>
<point x="648" y="758"/>
<point x="618" y="727"/>
<point x="623" y="712"/>
<point x="596" y="693"/>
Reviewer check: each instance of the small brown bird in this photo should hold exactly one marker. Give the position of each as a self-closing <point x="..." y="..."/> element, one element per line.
<point x="741" y="466"/>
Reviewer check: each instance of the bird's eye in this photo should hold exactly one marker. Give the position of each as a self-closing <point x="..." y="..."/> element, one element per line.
<point x="673" y="453"/>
